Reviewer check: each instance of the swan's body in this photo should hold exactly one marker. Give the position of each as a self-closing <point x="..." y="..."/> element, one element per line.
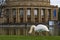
<point x="38" y="28"/>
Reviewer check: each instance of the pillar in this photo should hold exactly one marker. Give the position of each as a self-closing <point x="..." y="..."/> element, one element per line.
<point x="25" y="15"/>
<point x="39" y="16"/>
<point x="57" y="13"/>
<point x="51" y="13"/>
<point x="46" y="15"/>
<point x="32" y="16"/>
<point x="18" y="16"/>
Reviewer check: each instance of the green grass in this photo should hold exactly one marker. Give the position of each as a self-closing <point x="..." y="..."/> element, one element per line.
<point x="14" y="37"/>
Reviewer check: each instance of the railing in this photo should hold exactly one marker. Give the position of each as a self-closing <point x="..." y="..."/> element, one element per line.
<point x="15" y="25"/>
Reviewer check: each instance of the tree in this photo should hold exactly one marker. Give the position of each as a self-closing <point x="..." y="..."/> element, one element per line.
<point x="59" y="14"/>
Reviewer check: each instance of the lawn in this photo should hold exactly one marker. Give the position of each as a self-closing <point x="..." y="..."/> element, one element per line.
<point x="14" y="37"/>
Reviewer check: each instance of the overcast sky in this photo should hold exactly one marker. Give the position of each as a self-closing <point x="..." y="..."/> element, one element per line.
<point x="53" y="2"/>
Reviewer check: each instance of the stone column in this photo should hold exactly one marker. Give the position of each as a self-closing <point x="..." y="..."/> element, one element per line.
<point x="46" y="15"/>
<point x="32" y="16"/>
<point x="25" y="15"/>
<point x="57" y="13"/>
<point x="51" y="13"/>
<point x="39" y="16"/>
<point x="18" y="16"/>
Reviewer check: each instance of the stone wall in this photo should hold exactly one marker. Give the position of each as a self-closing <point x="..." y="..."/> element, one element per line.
<point x="28" y="2"/>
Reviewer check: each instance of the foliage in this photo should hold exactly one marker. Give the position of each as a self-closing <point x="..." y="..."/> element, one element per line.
<point x="59" y="14"/>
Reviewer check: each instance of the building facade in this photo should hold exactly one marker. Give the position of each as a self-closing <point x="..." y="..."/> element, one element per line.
<point x="18" y="15"/>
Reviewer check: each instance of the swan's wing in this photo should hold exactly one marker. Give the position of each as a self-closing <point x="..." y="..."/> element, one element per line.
<point x="42" y="27"/>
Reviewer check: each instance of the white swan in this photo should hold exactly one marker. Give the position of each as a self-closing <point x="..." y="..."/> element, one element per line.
<point x="38" y="28"/>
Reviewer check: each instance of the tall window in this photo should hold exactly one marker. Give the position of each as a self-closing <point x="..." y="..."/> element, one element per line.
<point x="42" y="12"/>
<point x="14" y="12"/>
<point x="7" y="12"/>
<point x="35" y="12"/>
<point x="43" y="15"/>
<point x="28" y="11"/>
<point x="54" y="13"/>
<point x="21" y="11"/>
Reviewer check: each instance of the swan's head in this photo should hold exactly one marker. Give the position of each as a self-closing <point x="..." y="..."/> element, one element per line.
<point x="31" y="29"/>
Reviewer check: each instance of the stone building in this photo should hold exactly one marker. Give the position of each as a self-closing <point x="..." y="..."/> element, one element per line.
<point x="18" y="15"/>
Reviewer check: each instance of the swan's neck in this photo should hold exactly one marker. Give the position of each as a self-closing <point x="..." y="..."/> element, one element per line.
<point x="31" y="29"/>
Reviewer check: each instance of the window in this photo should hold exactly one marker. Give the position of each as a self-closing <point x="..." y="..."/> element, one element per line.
<point x="14" y="12"/>
<point x="54" y="13"/>
<point x="35" y="12"/>
<point x="7" y="12"/>
<point x="28" y="11"/>
<point x="42" y="13"/>
<point x="21" y="11"/>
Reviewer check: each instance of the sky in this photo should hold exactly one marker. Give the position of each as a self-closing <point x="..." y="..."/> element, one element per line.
<point x="55" y="2"/>
<point x="52" y="2"/>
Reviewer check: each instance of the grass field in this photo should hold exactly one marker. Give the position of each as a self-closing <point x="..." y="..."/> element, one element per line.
<point x="14" y="37"/>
